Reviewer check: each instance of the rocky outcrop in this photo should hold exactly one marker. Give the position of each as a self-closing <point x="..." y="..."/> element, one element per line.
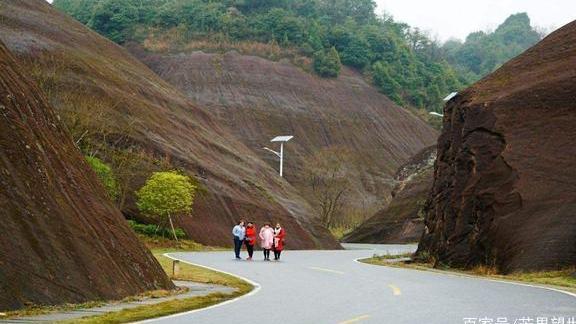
<point x="118" y="109"/>
<point x="345" y="117"/>
<point x="504" y="192"/>
<point x="402" y="221"/>
<point x="62" y="241"/>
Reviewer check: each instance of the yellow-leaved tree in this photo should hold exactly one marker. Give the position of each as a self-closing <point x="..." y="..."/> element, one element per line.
<point x="166" y="194"/>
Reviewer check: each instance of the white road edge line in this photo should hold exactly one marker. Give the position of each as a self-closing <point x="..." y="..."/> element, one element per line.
<point x="256" y="285"/>
<point x="479" y="278"/>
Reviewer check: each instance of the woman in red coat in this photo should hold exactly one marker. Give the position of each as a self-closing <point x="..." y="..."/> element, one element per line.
<point x="279" y="235"/>
<point x="250" y="239"/>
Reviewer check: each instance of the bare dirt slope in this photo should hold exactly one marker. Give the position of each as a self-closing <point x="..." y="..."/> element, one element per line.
<point x="402" y="220"/>
<point x="118" y="109"/>
<point x="259" y="99"/>
<point x="62" y="239"/>
<point x="504" y="192"/>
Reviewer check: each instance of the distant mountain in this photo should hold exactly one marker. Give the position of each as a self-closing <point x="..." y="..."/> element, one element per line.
<point x="259" y="85"/>
<point x="347" y="135"/>
<point x="484" y="52"/>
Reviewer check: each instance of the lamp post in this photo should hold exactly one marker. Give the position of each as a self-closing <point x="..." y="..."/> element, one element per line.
<point x="448" y="98"/>
<point x="282" y="140"/>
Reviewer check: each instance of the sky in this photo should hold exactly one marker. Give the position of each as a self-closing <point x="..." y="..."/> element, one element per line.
<point x="447" y="19"/>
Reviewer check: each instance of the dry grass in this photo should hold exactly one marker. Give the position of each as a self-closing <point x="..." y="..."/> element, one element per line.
<point x="563" y="278"/>
<point x="158" y="310"/>
<point x="39" y="310"/>
<point x="160" y="245"/>
<point x="177" y="40"/>
<point x="187" y="272"/>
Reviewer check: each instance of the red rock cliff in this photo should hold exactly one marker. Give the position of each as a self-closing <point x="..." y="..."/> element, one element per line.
<point x="62" y="239"/>
<point x="504" y="192"/>
<point x="402" y="220"/>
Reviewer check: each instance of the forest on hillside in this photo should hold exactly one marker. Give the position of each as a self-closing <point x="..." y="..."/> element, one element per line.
<point x="406" y="64"/>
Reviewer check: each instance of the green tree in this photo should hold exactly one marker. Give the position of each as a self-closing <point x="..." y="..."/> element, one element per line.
<point x="357" y="53"/>
<point x="360" y="38"/>
<point x="327" y="63"/>
<point x="114" y="18"/>
<point x="166" y="194"/>
<point x="106" y="176"/>
<point x="484" y="52"/>
<point x="384" y="81"/>
<point x="80" y="9"/>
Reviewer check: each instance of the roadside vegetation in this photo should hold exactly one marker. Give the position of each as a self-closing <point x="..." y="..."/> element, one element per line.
<point x="106" y="176"/>
<point x="187" y="272"/>
<point x="563" y="278"/>
<point x="408" y="65"/>
<point x="166" y="194"/>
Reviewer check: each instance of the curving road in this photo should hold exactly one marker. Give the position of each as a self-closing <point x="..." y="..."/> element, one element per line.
<point x="330" y="287"/>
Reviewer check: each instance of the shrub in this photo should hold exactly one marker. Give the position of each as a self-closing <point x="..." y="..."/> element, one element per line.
<point x="327" y="63"/>
<point x="106" y="176"/>
<point x="154" y="230"/>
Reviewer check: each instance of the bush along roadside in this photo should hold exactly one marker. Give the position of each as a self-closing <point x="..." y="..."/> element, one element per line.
<point x="152" y="230"/>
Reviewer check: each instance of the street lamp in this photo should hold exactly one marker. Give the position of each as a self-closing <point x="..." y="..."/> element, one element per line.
<point x="282" y="140"/>
<point x="450" y="96"/>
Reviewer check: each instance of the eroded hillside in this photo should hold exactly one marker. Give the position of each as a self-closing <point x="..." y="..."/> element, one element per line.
<point x="62" y="241"/>
<point x="364" y="136"/>
<point x="117" y="109"/>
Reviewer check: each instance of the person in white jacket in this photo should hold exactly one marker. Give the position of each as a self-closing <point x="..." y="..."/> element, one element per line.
<point x="266" y="240"/>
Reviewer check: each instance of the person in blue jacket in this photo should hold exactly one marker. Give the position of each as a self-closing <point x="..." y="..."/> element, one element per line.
<point x="239" y="232"/>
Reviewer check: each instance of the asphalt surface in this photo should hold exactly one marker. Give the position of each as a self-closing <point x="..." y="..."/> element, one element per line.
<point x="331" y="287"/>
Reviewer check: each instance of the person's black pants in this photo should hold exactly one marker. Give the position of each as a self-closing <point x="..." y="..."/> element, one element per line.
<point x="249" y="248"/>
<point x="237" y="246"/>
<point x="277" y="254"/>
<point x="266" y="254"/>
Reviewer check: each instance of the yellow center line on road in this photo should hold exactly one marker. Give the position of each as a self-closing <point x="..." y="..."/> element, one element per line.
<point x="355" y="319"/>
<point x="395" y="290"/>
<point x="326" y="270"/>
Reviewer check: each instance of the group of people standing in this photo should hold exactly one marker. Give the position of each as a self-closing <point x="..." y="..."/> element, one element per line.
<point x="271" y="239"/>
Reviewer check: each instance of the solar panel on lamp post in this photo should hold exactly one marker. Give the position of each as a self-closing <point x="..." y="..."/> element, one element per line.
<point x="448" y="98"/>
<point x="282" y="140"/>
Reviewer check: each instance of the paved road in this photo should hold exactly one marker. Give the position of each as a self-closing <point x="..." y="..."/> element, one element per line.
<point x="330" y="287"/>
